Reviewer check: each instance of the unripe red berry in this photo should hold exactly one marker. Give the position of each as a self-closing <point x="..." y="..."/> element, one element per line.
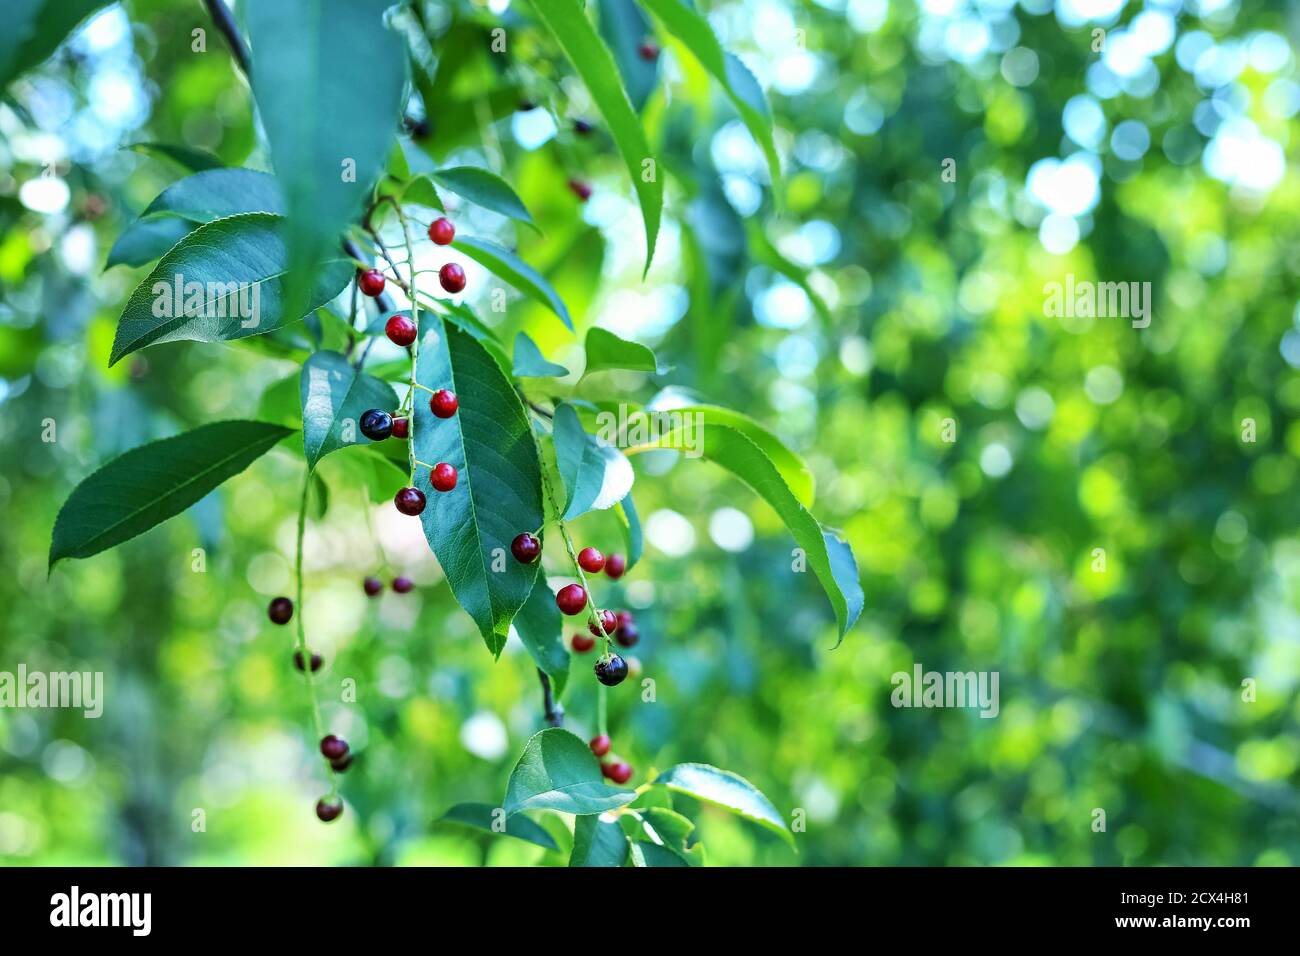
<point x="571" y="599"/>
<point x="620" y="771"/>
<point x="607" y="622"/>
<point x="402" y="584"/>
<point x="442" y="476"/>
<point x="316" y="661"/>
<point x="615" y="565"/>
<point x="582" y="643"/>
<point x="452" y="277"/>
<point x="371" y="282"/>
<point x="526" y="548"/>
<point x="328" y="809"/>
<point x="627" y="635"/>
<point x="280" y="610"/>
<point x="442" y="232"/>
<point x="648" y="51"/>
<point x="400" y="329"/>
<point x="443" y="403"/>
<point x="333" y="748"/>
<point x="401" y="428"/>
<point x="372" y="586"/>
<point x="409" y="501"/>
<point x="600" y="745"/>
<point x="580" y="189"/>
<point x="591" y="560"/>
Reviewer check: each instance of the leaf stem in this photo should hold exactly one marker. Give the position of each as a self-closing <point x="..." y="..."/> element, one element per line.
<point x="299" y="612"/>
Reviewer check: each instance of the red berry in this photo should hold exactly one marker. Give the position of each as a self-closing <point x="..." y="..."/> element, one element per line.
<point x="316" y="661"/>
<point x="572" y="599"/>
<point x="401" y="428"/>
<point x="627" y="635"/>
<point x="400" y="329"/>
<point x="371" y="282"/>
<point x="615" y="565"/>
<point x="409" y="501"/>
<point x="442" y="476"/>
<point x="624" y="618"/>
<point x="328" y="808"/>
<point x="333" y="748"/>
<point x="402" y="584"/>
<point x="620" y="772"/>
<point x="648" y="51"/>
<point x="591" y="560"/>
<point x="442" y="231"/>
<point x="280" y="610"/>
<point x="580" y="189"/>
<point x="342" y="763"/>
<point x="373" y="586"/>
<point x="600" y="745"/>
<point x="607" y="621"/>
<point x="452" y="277"/>
<point x="443" y="403"/>
<point x="525" y="548"/>
<point x="582" y="643"/>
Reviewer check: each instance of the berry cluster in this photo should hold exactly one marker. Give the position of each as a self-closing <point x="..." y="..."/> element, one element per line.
<point x="619" y="771"/>
<point x="451" y="276"/>
<point x="374" y="587"/>
<point x="378" y="425"/>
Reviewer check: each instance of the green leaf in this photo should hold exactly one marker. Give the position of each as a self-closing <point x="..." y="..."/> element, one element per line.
<point x="195" y="160"/>
<point x="541" y="630"/>
<point x="33" y="29"/>
<point x="482" y="816"/>
<point x="596" y="475"/>
<point x="691" y="27"/>
<point x="146" y="239"/>
<point x="624" y="27"/>
<point x="329" y="80"/>
<point x="664" y="834"/>
<point x="725" y="789"/>
<point x="484" y="188"/>
<point x="217" y="193"/>
<point x="239" y="264"/>
<point x="605" y="350"/>
<point x="598" y="841"/>
<point x="568" y="23"/>
<point x="334" y="396"/>
<point x="147" y="485"/>
<point x="558" y="772"/>
<point x="499" y="492"/>
<point x="504" y="263"/>
<point x="631" y="525"/>
<point x="529" y="362"/>
<point x="421" y="192"/>
<point x="320" y="495"/>
<point x="652" y="855"/>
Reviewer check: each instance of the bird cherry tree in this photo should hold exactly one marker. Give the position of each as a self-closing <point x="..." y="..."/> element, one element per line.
<point x="489" y="449"/>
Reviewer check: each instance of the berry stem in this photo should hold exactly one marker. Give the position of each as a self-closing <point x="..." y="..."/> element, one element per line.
<point x="601" y="716"/>
<point x="413" y="295"/>
<point x="300" y="615"/>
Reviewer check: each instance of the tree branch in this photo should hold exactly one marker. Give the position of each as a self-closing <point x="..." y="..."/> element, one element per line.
<point x="553" y="711"/>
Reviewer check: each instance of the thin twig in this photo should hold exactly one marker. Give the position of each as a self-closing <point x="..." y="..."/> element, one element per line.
<point x="552" y="710"/>
<point x="225" y="22"/>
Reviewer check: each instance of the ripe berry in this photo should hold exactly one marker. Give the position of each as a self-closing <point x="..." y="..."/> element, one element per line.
<point x="607" y="621"/>
<point x="525" y="548"/>
<point x="409" y="501"/>
<point x="402" y="584"/>
<point x="328" y="808"/>
<point x="376" y="424"/>
<point x="316" y="661"/>
<point x="582" y="643"/>
<point x="442" y="476"/>
<point x="442" y="232"/>
<point x="591" y="560"/>
<point x="452" y="277"/>
<point x="443" y="403"/>
<point x="571" y="599"/>
<point x="342" y="763"/>
<point x="401" y="428"/>
<point x="333" y="748"/>
<point x="371" y="282"/>
<point x="580" y="189"/>
<point x="620" y="771"/>
<point x="648" y="51"/>
<point x="611" y="670"/>
<point x="582" y="127"/>
<point x="627" y="635"/>
<point x="280" y="610"/>
<point x="600" y="745"/>
<point x="615" y="565"/>
<point x="400" y="329"/>
<point x="373" y="586"/>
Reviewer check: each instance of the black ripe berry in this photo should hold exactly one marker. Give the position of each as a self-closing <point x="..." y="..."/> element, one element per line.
<point x="316" y="661"/>
<point x="409" y="501"/>
<point x="328" y="809"/>
<point x="373" y="586"/>
<point x="342" y="763"/>
<point x="280" y="610"/>
<point x="402" y="584"/>
<point x="371" y="282"/>
<point x="442" y="476"/>
<point x="571" y="599"/>
<point x="442" y="232"/>
<point x="582" y="127"/>
<point x="443" y="403"/>
<point x="582" y="643"/>
<point x="615" y="565"/>
<point x="401" y="428"/>
<point x="336" y="748"/>
<point x="400" y="329"/>
<point x="525" y="548"/>
<point x="607" y="622"/>
<point x="452" y="277"/>
<point x="591" y="560"/>
<point x="376" y="424"/>
<point x="611" y="670"/>
<point x="580" y="189"/>
<point x="627" y="635"/>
